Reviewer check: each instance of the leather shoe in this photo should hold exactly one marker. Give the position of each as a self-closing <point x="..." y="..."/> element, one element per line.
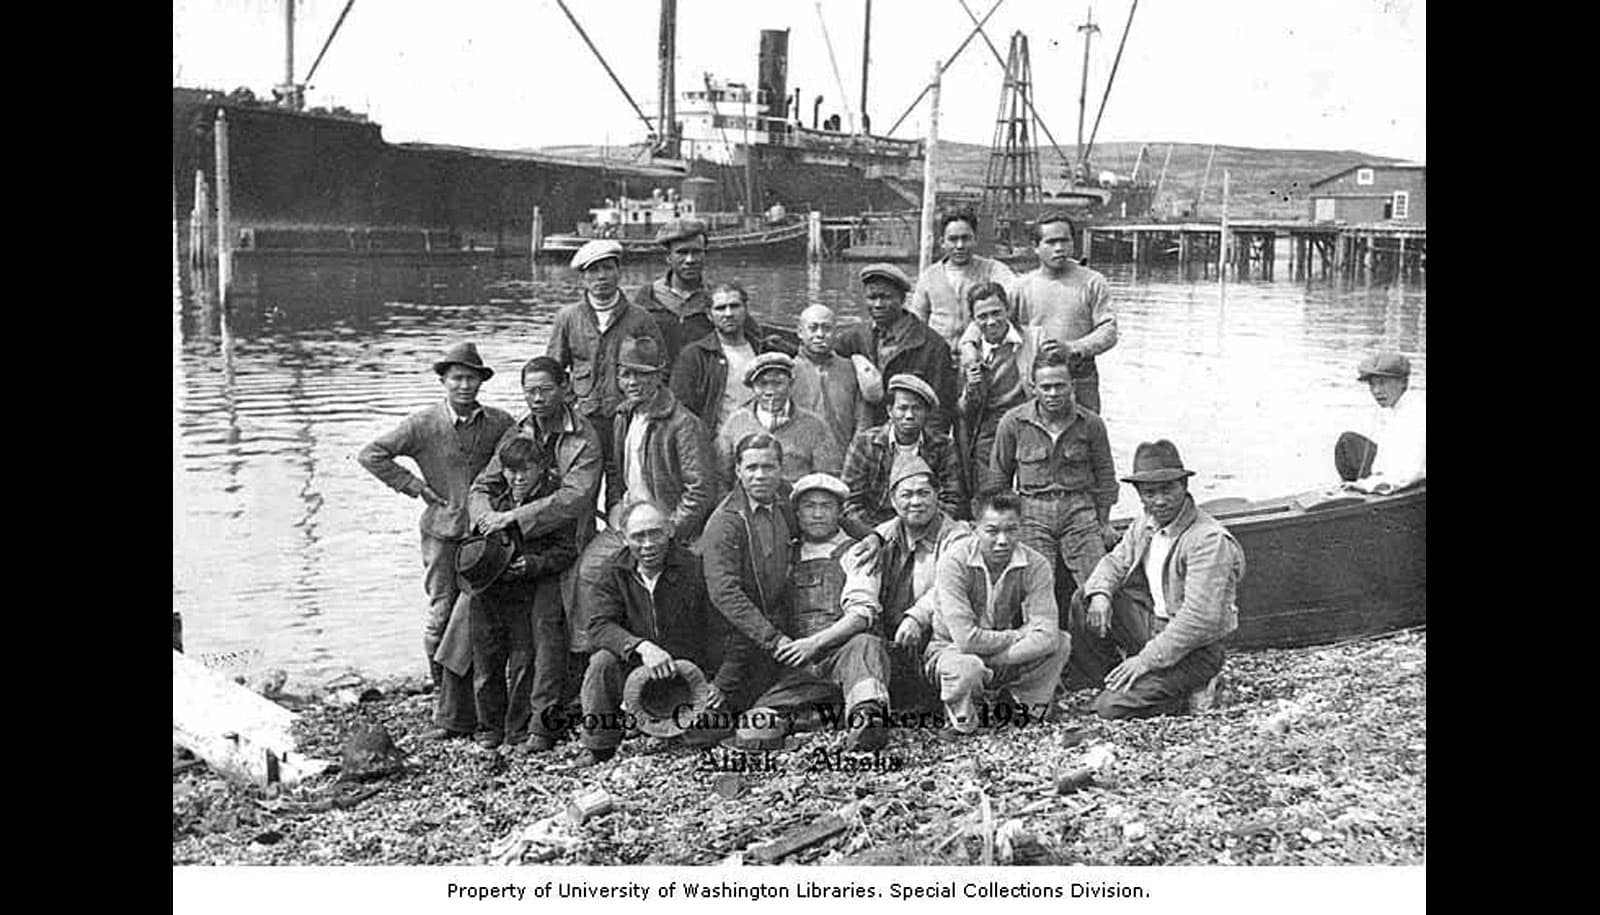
<point x="489" y="740"/>
<point x="592" y="757"/>
<point x="868" y="730"/>
<point x="537" y="743"/>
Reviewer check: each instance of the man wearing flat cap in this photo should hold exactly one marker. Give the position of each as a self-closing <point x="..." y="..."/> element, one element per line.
<point x="872" y="456"/>
<point x="679" y="300"/>
<point x="1165" y="595"/>
<point x="827" y="657"/>
<point x="1395" y="455"/>
<point x="451" y="443"/>
<point x="893" y="584"/>
<point x="898" y="342"/>
<point x="808" y="443"/>
<point x="588" y="333"/>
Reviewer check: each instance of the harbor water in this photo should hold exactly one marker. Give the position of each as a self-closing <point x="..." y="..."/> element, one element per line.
<point x="286" y="553"/>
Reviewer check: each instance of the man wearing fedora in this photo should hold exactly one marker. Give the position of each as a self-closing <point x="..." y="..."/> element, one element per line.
<point x="872" y="456"/>
<point x="577" y="468"/>
<point x="512" y="591"/>
<point x="995" y="624"/>
<point x="890" y="577"/>
<point x="679" y="300"/>
<point x="898" y="342"/>
<point x="745" y="552"/>
<point x="652" y="616"/>
<point x="709" y="375"/>
<point x="450" y="443"/>
<point x="588" y="333"/>
<point x="1164" y="595"/>
<point x="1070" y="304"/>
<point x="828" y="657"/>
<point x="1395" y="455"/>
<point x="808" y="443"/>
<point x="1057" y="457"/>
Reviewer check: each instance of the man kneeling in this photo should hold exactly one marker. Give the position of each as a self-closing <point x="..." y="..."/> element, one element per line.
<point x="996" y="625"/>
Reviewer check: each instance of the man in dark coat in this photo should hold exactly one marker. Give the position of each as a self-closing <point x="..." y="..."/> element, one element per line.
<point x="680" y="299"/>
<point x="898" y="342"/>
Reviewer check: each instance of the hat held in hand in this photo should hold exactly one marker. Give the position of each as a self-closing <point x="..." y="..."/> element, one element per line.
<point x="666" y="708"/>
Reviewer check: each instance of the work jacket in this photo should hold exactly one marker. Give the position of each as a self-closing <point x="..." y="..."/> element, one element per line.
<point x="591" y="356"/>
<point x="906" y="347"/>
<point x="577" y="469"/>
<point x="1201" y="577"/>
<point x="700" y="376"/>
<point x="679" y="619"/>
<point x="868" y="464"/>
<point x="884" y="591"/>
<point x="728" y="557"/>
<point x="1018" y="625"/>
<point x="678" y="462"/>
<point x="448" y="463"/>
<point x="682" y="319"/>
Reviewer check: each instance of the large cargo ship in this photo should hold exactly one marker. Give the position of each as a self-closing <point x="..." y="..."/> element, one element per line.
<point x="320" y="181"/>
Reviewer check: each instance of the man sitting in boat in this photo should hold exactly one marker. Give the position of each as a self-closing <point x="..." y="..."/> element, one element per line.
<point x="1395" y="455"/>
<point x="870" y="462"/>
<point x="1165" y="595"/>
<point x="898" y="342"/>
<point x="892" y="571"/>
<point x="586" y="335"/>
<point x="1070" y="304"/>
<point x="826" y="656"/>
<point x="940" y="299"/>
<point x="826" y="383"/>
<point x="709" y="376"/>
<point x="995" y="623"/>
<point x="808" y="443"/>
<point x="997" y="374"/>
<point x="679" y="299"/>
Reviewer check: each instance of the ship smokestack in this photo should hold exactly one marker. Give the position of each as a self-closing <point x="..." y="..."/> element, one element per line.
<point x="772" y="74"/>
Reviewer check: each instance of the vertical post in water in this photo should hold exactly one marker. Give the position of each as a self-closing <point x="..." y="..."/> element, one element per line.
<point x="537" y="229"/>
<point x="199" y="222"/>
<point x="1222" y="240"/>
<point x="224" y="214"/>
<point x="814" y="235"/>
<point x="929" y="178"/>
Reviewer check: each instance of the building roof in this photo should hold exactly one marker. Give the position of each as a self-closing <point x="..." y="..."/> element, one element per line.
<point x="1372" y="165"/>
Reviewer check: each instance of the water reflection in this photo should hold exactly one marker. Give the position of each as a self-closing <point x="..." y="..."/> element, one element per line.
<point x="282" y="543"/>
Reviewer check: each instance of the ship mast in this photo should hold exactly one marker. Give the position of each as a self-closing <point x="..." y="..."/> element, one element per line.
<point x="1088" y="29"/>
<point x="289" y="93"/>
<point x="667" y="133"/>
<point x="866" y="45"/>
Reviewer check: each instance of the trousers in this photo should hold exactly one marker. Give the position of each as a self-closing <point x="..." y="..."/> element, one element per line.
<point x="519" y="656"/>
<point x="1353" y="454"/>
<point x="439" y="583"/>
<point x="961" y="677"/>
<point x="1133" y="623"/>
<point x="1067" y="532"/>
<point x="855" y="672"/>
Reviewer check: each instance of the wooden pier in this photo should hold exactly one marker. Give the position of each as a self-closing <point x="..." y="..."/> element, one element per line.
<point x="1367" y="251"/>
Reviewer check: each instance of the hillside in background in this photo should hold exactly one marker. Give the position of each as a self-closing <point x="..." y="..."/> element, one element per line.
<point x="1263" y="183"/>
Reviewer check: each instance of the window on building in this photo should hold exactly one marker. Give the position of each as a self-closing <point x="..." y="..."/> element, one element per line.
<point x="1363" y="176"/>
<point x="1401" y="205"/>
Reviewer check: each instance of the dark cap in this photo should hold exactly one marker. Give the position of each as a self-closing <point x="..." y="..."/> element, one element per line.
<point x="1387" y="364"/>
<point x="642" y="354"/>
<point x="679" y="230"/>
<point x="1157" y="462"/>
<point x="463" y="354"/>
<point x="887" y="272"/>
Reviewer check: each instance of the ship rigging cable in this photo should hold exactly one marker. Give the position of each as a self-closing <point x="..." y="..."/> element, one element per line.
<point x="942" y="67"/>
<point x="327" y="44"/>
<point x="597" y="56"/>
<point x="1002" y="61"/>
<point x="1109" y="80"/>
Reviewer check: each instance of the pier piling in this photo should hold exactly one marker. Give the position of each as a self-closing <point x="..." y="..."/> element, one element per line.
<point x="814" y="246"/>
<point x="224" y="220"/>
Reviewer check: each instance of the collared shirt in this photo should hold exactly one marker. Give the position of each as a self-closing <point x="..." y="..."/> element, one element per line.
<point x="1401" y="434"/>
<point x="769" y="535"/>
<point x="460" y="420"/>
<point x="735" y="393"/>
<point x="648" y="580"/>
<point x="924" y="551"/>
<point x="771" y="420"/>
<point x="633" y="456"/>
<point x="1155" y="563"/>
<point x="1076" y="461"/>
<point x="1019" y="561"/>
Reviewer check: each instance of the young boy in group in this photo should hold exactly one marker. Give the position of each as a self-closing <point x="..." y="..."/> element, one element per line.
<point x="518" y="635"/>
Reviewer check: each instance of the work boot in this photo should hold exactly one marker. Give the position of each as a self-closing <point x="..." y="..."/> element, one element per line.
<point x="534" y="745"/>
<point x="594" y="757"/>
<point x="868" y="728"/>
<point x="1206" y="696"/>
<point x="489" y="740"/>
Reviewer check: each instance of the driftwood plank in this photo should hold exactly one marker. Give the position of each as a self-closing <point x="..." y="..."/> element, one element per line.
<point x="806" y="836"/>
<point x="236" y="732"/>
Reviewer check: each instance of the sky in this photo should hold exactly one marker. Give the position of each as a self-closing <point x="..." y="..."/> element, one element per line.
<point x="513" y="74"/>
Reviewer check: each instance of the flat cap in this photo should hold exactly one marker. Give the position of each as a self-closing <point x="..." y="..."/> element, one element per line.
<point x="1388" y="363"/>
<point x="596" y="251"/>
<point x="915" y="385"/>
<point x="826" y="482"/>
<point x="888" y="272"/>
<point x="680" y="229"/>
<point x="906" y="468"/>
<point x="767" y="361"/>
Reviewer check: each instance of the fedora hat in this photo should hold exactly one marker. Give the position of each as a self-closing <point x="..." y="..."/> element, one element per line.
<point x="760" y="729"/>
<point x="481" y="560"/>
<point x="463" y="354"/>
<point x="1157" y="462"/>
<point x="642" y="354"/>
<point x="662" y="707"/>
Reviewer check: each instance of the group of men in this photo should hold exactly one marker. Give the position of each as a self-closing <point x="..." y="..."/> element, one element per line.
<point x="910" y="512"/>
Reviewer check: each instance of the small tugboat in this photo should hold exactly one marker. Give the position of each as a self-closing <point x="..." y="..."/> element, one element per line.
<point x="634" y="222"/>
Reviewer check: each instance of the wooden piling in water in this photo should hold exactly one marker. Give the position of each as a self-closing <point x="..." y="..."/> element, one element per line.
<point x="1222" y="242"/>
<point x="224" y="207"/>
<point x="814" y="247"/>
<point x="537" y="242"/>
<point x="199" y="223"/>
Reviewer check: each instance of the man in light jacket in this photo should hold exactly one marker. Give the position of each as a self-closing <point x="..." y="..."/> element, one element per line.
<point x="1165" y="595"/>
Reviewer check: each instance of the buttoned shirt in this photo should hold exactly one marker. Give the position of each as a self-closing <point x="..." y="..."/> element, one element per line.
<point x="1154" y="564"/>
<point x="1076" y="461"/>
<point x="633" y="456"/>
<point x="648" y="579"/>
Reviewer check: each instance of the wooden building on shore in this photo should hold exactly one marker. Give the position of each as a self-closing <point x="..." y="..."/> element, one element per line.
<point x="1373" y="193"/>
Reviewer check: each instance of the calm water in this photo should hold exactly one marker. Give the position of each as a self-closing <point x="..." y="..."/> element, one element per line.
<point x="286" y="550"/>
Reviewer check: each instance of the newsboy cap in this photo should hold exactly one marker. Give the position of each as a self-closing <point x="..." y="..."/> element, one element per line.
<point x="915" y="385"/>
<point x="595" y="251"/>
<point x="887" y="272"/>
<point x="1388" y="364"/>
<point x="826" y="482"/>
<point x="679" y="229"/>
<point x="765" y="361"/>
